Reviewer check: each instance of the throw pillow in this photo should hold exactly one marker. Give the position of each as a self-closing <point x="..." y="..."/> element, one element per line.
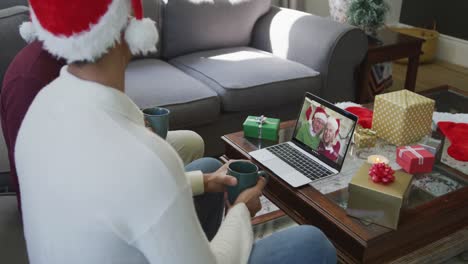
<point x="196" y="25"/>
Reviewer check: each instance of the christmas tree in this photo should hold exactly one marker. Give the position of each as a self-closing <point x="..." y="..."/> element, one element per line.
<point x="368" y="15"/>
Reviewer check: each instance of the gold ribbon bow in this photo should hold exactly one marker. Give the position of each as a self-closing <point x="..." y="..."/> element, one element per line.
<point x="365" y="131"/>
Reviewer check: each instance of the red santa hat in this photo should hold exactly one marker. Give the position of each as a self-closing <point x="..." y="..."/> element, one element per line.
<point x="334" y="124"/>
<point x="319" y="113"/>
<point x="84" y="30"/>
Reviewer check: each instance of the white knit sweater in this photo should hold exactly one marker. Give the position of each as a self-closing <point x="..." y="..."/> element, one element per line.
<point x="98" y="187"/>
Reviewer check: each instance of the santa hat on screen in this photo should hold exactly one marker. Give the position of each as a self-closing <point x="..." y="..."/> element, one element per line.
<point x="84" y="30"/>
<point x="334" y="124"/>
<point x="319" y="113"/>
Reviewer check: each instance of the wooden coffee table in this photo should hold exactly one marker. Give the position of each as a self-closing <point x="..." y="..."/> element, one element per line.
<point x="425" y="219"/>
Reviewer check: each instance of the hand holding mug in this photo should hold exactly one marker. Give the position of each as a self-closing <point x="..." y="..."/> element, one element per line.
<point x="219" y="180"/>
<point x="251" y="197"/>
<point x="249" y="185"/>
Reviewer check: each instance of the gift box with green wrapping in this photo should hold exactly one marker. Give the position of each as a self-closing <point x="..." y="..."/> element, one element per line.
<point x="261" y="127"/>
<point x="375" y="202"/>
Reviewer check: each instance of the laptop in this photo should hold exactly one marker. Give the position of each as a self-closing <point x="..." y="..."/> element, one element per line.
<point x="319" y="145"/>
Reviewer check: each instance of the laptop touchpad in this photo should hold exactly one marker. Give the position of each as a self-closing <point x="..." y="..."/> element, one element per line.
<point x="263" y="155"/>
<point x="286" y="172"/>
<point x="278" y="166"/>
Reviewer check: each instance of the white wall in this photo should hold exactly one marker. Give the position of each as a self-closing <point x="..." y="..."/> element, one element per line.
<point x="321" y="8"/>
<point x="318" y="7"/>
<point x="395" y="11"/>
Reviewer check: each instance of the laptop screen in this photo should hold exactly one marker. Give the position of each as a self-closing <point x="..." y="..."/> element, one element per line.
<point x="325" y="132"/>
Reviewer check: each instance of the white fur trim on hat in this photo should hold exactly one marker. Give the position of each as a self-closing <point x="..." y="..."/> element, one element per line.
<point x="27" y="32"/>
<point x="89" y="45"/>
<point x="321" y="115"/>
<point x="332" y="123"/>
<point x="141" y="36"/>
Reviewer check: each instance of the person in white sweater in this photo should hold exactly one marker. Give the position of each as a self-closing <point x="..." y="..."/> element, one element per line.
<point x="111" y="191"/>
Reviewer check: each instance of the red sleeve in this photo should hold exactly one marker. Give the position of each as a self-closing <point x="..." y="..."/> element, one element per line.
<point x="16" y="97"/>
<point x="337" y="148"/>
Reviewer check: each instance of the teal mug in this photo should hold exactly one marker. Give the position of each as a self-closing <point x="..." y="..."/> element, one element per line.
<point x="158" y="119"/>
<point x="246" y="174"/>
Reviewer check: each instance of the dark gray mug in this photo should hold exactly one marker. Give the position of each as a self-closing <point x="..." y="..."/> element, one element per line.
<point x="246" y="174"/>
<point x="158" y="119"/>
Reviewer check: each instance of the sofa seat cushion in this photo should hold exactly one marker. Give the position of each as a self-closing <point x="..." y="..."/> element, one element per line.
<point x="250" y="79"/>
<point x="152" y="82"/>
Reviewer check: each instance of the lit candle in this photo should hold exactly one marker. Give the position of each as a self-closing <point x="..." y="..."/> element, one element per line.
<point x="372" y="159"/>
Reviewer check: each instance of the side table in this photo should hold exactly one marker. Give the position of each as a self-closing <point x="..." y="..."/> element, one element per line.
<point x="393" y="46"/>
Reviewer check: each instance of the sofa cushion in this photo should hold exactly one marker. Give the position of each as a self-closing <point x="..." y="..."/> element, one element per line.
<point x="152" y="9"/>
<point x="11" y="42"/>
<point x="11" y="3"/>
<point x="249" y="79"/>
<point x="153" y="82"/>
<point x="194" y="25"/>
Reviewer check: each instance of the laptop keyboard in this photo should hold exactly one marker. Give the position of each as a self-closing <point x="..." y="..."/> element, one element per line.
<point x="296" y="159"/>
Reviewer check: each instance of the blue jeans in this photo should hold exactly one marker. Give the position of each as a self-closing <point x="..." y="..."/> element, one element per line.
<point x="300" y="244"/>
<point x="209" y="206"/>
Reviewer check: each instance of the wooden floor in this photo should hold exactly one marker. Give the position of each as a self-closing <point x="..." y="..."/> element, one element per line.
<point x="432" y="75"/>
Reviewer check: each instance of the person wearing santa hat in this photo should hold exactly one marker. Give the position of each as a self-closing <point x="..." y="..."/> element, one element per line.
<point x="111" y="191"/>
<point x="310" y="131"/>
<point x="329" y="146"/>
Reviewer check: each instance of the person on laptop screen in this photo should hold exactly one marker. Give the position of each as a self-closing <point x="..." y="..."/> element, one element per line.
<point x="329" y="145"/>
<point x="312" y="127"/>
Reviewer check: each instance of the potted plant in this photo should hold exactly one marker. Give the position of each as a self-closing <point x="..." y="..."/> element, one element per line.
<point x="369" y="15"/>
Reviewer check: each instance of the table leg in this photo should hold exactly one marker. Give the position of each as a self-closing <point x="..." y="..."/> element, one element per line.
<point x="412" y="72"/>
<point x="364" y="91"/>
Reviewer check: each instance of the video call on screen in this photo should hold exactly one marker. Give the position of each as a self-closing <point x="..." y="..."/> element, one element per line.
<point x="325" y="131"/>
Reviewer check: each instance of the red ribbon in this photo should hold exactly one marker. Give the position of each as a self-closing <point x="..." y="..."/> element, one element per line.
<point x="382" y="173"/>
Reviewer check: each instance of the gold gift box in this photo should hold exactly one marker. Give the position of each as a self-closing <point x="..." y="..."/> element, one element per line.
<point x="402" y="117"/>
<point x="364" y="138"/>
<point x="377" y="203"/>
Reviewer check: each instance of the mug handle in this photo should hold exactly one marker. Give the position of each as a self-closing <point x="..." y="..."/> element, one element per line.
<point x="264" y="174"/>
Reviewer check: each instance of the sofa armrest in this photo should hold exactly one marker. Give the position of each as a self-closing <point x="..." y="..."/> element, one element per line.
<point x="331" y="48"/>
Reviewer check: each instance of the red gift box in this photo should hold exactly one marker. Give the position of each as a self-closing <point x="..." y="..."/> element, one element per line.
<point x="415" y="159"/>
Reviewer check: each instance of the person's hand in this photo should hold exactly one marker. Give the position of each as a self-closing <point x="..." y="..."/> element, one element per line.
<point x="148" y="126"/>
<point x="251" y="197"/>
<point x="217" y="181"/>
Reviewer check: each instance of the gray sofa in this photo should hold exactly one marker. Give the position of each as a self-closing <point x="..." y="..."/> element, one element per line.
<point x="218" y="63"/>
<point x="214" y="67"/>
